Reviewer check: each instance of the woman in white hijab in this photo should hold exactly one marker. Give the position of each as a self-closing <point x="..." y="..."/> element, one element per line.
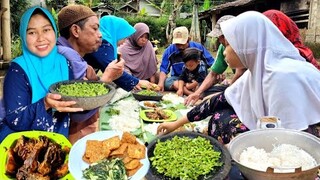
<point x="278" y="82"/>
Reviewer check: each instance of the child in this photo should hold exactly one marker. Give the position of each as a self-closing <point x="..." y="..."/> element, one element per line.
<point x="193" y="72"/>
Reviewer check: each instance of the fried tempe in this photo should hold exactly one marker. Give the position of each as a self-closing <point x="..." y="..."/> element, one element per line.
<point x="136" y="151"/>
<point x="128" y="138"/>
<point x="128" y="149"/>
<point x="94" y="152"/>
<point x="133" y="171"/>
<point x="132" y="164"/>
<point x="120" y="150"/>
<point x="111" y="143"/>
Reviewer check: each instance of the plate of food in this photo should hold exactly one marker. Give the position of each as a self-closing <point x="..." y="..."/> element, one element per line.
<point x="109" y="147"/>
<point x="17" y="146"/>
<point x="147" y="94"/>
<point x="88" y="94"/>
<point x="209" y="158"/>
<point x="151" y="104"/>
<point x="158" y="115"/>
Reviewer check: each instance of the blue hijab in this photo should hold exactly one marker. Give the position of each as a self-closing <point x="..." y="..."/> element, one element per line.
<point x="114" y="29"/>
<point x="41" y="71"/>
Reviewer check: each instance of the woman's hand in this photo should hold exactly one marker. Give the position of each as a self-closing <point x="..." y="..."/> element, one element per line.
<point x="143" y="84"/>
<point x="180" y="92"/>
<point x="113" y="71"/>
<point x="168" y="127"/>
<point x="165" y="128"/>
<point x="54" y="101"/>
<point x="192" y="98"/>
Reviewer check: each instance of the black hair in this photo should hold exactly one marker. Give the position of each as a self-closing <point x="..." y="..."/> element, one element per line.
<point x="65" y="31"/>
<point x="39" y="11"/>
<point x="190" y="54"/>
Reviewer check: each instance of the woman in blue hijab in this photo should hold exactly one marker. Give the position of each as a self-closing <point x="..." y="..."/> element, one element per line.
<point x="113" y="30"/>
<point x="28" y="104"/>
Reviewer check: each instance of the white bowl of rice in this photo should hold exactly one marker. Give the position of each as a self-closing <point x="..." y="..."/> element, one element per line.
<point x="276" y="154"/>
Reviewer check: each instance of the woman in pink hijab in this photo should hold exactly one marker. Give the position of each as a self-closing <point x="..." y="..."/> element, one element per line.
<point x="138" y="53"/>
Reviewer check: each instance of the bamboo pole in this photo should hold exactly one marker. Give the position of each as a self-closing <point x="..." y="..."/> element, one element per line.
<point x="5" y="33"/>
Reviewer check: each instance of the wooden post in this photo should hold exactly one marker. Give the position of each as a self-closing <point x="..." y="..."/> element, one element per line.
<point x="5" y="33"/>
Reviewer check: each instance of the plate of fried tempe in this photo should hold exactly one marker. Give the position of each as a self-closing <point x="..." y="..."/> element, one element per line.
<point x="34" y="155"/>
<point x="105" y="149"/>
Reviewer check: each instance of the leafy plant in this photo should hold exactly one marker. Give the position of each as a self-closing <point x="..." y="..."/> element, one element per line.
<point x="17" y="8"/>
<point x="143" y="12"/>
<point x="206" y="5"/>
<point x="16" y="46"/>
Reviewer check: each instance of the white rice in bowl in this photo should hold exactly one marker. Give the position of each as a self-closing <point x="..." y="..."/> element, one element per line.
<point x="283" y="158"/>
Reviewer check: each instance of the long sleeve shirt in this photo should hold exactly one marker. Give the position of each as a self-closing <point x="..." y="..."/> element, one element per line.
<point x="172" y="58"/>
<point x="21" y="114"/>
<point x="101" y="59"/>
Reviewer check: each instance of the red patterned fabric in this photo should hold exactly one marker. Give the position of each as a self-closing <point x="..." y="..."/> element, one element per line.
<point x="291" y="31"/>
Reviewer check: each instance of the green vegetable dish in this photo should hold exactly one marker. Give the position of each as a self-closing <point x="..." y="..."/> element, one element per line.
<point x="83" y="89"/>
<point x="106" y="170"/>
<point x="148" y="93"/>
<point x="185" y="158"/>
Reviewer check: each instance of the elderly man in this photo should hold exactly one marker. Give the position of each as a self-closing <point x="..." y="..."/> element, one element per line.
<point x="79" y="30"/>
<point x="172" y="58"/>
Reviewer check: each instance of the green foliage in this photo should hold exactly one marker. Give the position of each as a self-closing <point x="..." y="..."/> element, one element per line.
<point x="157" y="26"/>
<point x="17" y="8"/>
<point x="56" y="3"/>
<point x="89" y="3"/>
<point x="54" y="14"/>
<point x="16" y="47"/>
<point x="143" y="12"/>
<point x="315" y="47"/>
<point x="206" y="5"/>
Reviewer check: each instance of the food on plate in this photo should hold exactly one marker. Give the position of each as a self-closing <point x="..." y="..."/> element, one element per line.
<point x="106" y="169"/>
<point x="127" y="149"/>
<point x="94" y="152"/>
<point x="150" y="104"/>
<point x="148" y="92"/>
<point x="83" y="89"/>
<point x="173" y="158"/>
<point x="157" y="114"/>
<point x="153" y="87"/>
<point x="136" y="151"/>
<point x="282" y="157"/>
<point x="173" y="98"/>
<point x="37" y="158"/>
<point x="128" y="118"/>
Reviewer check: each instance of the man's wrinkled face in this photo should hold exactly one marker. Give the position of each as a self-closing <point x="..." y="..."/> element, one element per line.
<point x="89" y="37"/>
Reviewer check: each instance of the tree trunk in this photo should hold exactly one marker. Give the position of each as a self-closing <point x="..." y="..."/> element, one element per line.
<point x="195" y="29"/>
<point x="5" y="33"/>
<point x="172" y="19"/>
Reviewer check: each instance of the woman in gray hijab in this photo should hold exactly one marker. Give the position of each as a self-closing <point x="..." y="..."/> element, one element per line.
<point x="139" y="55"/>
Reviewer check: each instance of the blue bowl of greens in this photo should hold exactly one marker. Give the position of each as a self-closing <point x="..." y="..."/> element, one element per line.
<point x="88" y="94"/>
<point x="187" y="155"/>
